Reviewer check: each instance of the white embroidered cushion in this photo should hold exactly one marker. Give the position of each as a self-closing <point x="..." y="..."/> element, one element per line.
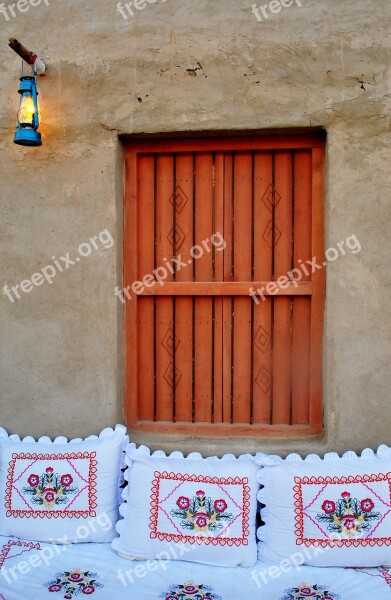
<point x="193" y="509"/>
<point x="61" y="491"/>
<point x="333" y="512"/>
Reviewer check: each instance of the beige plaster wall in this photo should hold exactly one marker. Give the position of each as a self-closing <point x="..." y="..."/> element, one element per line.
<point x="184" y="65"/>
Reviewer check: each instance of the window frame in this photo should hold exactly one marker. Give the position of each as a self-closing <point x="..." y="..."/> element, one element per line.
<point x="133" y="149"/>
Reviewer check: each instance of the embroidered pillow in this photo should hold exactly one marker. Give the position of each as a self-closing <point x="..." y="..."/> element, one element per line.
<point x="195" y="509"/>
<point x="61" y="491"/>
<point x="334" y="512"/>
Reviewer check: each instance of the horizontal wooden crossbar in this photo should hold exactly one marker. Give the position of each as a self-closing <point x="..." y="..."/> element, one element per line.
<point x="225" y="429"/>
<point x="229" y="288"/>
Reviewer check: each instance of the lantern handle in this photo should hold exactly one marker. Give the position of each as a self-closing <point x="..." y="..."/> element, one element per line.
<point x="29" y="57"/>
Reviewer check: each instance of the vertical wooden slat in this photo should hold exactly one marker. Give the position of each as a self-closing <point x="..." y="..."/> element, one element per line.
<point x="165" y="373"/>
<point x="242" y="272"/>
<point x="130" y="275"/>
<point x="227" y="301"/>
<point x="301" y="326"/>
<point x="145" y="232"/>
<point x="318" y="278"/>
<point x="184" y="305"/>
<point x="282" y="238"/>
<point x="203" y="320"/>
<point x="262" y="373"/>
<point x="218" y="199"/>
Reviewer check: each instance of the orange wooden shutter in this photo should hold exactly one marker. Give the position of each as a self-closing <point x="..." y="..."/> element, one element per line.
<point x="201" y="356"/>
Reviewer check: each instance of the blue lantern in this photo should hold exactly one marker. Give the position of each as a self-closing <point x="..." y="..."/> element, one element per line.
<point x="27" y="133"/>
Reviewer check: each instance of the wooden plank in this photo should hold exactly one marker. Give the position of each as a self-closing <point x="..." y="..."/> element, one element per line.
<point x="145" y="330"/>
<point x="165" y="337"/>
<point x="282" y="241"/>
<point x="226" y="430"/>
<point x="227" y="144"/>
<point x="234" y="288"/>
<point x="218" y="226"/>
<point x="130" y="275"/>
<point x="318" y="279"/>
<point x="203" y="318"/>
<point x="262" y="330"/>
<point x="242" y="271"/>
<point x="301" y="325"/>
<point x="227" y="302"/>
<point x="183" y="305"/>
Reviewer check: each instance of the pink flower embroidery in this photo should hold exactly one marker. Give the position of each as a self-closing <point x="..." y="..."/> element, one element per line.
<point x="328" y="506"/>
<point x="190" y="590"/>
<point x="201" y="521"/>
<point x="305" y="591"/>
<point x="54" y="588"/>
<point x="345" y="495"/>
<point x="183" y="502"/>
<point x="33" y="480"/>
<point x="49" y="470"/>
<point x="88" y="589"/>
<point x="75" y="577"/>
<point x="49" y="496"/>
<point x="220" y="505"/>
<point x="66" y="480"/>
<point x="200" y="493"/>
<point x="349" y="522"/>
<point x="367" y="505"/>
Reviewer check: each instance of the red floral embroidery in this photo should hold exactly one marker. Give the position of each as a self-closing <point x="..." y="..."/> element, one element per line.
<point x="66" y="480"/>
<point x="50" y="494"/>
<point x="328" y="506"/>
<point x="190" y="590"/>
<point x="73" y="583"/>
<point x="33" y="480"/>
<point x="201" y="515"/>
<point x="183" y="502"/>
<point x="366" y="507"/>
<point x="200" y="519"/>
<point x="50" y="490"/>
<point x="316" y="592"/>
<point x="220" y="505"/>
<point x="348" y="517"/>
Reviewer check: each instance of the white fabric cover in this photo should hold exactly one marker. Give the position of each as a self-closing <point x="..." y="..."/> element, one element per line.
<point x="335" y="511"/>
<point x="61" y="491"/>
<point x="206" y="505"/>
<point x="27" y="572"/>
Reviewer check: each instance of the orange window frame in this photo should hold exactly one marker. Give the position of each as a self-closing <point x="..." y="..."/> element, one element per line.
<point x="166" y="394"/>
